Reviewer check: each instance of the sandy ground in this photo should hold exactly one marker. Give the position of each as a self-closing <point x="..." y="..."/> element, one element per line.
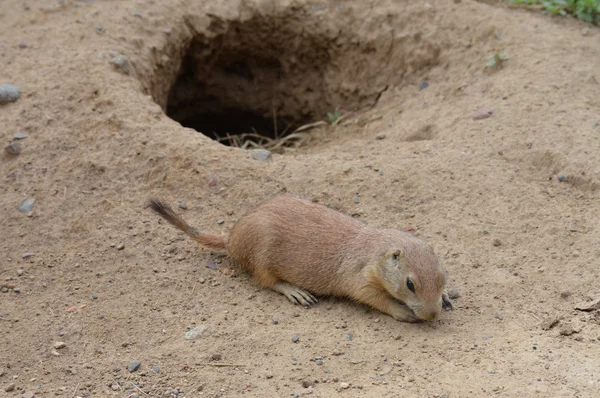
<point x="93" y="268"/>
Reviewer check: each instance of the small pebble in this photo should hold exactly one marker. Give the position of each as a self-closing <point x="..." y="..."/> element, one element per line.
<point x="182" y="205"/>
<point x="423" y="85"/>
<point x="344" y="385"/>
<point x="99" y="29"/>
<point x="27" y="255"/>
<point x="114" y="387"/>
<point x="380" y="172"/>
<point x="337" y="352"/>
<point x="453" y="293"/>
<point x="349" y="336"/>
<point x="216" y="357"/>
<point x="17" y="290"/>
<point x="356" y="199"/>
<point x="1" y="372"/>
<point x="133" y="366"/>
<point x="295" y="339"/>
<point x="23" y="45"/>
<point x="94" y="297"/>
<point x="27" y="205"/>
<point x="319" y="362"/>
<point x="483" y="113"/>
<point x="195" y="332"/>
<point x="10" y="387"/>
<point x="156" y="369"/>
<point x="260" y="154"/>
<point x="59" y="344"/>
<point x="574" y="228"/>
<point x="20" y="136"/>
<point x="380" y="136"/>
<point x="562" y="178"/>
<point x="120" y="246"/>
<point x="496" y="242"/>
<point x="567" y="330"/>
<point x="211" y="265"/>
<point x="9" y="93"/>
<point x="13" y="148"/>
<point x="121" y="62"/>
<point x="499" y="317"/>
<point x="274" y="321"/>
<point x="27" y="394"/>
<point x="565" y="294"/>
<point x="4" y="290"/>
<point x="220" y="221"/>
<point x="100" y="316"/>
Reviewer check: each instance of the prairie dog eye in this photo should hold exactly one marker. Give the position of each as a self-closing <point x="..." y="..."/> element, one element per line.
<point x="410" y="285"/>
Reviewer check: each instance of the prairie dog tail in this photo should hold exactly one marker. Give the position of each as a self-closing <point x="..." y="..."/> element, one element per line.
<point x="209" y="240"/>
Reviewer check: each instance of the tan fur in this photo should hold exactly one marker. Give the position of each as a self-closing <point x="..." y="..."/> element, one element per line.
<point x="300" y="248"/>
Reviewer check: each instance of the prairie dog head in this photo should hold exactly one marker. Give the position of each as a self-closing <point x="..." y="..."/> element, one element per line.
<point x="412" y="274"/>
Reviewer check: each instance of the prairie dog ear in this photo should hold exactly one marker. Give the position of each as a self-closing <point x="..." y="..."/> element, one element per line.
<point x="395" y="255"/>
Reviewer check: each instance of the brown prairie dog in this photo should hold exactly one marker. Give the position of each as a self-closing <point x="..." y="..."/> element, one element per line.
<point x="299" y="248"/>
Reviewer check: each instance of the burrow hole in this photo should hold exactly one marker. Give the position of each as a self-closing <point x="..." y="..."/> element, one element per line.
<point x="267" y="76"/>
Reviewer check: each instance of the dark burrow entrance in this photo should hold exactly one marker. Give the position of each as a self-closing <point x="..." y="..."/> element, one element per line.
<point x="252" y="81"/>
<point x="234" y="94"/>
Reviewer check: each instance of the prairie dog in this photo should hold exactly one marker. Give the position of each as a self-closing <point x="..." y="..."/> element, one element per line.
<point x="299" y="248"/>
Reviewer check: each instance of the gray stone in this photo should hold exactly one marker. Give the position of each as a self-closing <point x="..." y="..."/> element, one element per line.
<point x="195" y="332"/>
<point x="13" y="148"/>
<point x="260" y="154"/>
<point x="10" y="387"/>
<point x="562" y="177"/>
<point x="453" y="293"/>
<point x="9" y="93"/>
<point x="20" y="136"/>
<point x="182" y="205"/>
<point x="133" y="366"/>
<point x="121" y="62"/>
<point x="295" y="339"/>
<point x="27" y="205"/>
